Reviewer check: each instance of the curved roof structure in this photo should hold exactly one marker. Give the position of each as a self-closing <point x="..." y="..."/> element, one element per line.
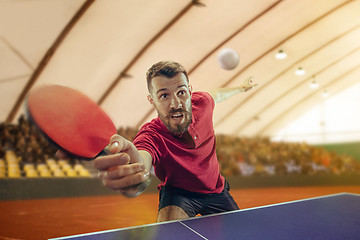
<point x="104" y="48"/>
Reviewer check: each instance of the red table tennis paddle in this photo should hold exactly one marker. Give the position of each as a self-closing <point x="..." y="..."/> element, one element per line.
<point x="71" y="121"/>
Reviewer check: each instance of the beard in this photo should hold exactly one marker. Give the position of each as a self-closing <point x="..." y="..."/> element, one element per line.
<point x="177" y="128"/>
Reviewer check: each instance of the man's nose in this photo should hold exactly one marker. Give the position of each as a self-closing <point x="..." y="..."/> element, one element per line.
<point x="175" y="102"/>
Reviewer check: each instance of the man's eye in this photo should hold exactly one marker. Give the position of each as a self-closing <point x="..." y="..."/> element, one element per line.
<point x="163" y="96"/>
<point x="182" y="92"/>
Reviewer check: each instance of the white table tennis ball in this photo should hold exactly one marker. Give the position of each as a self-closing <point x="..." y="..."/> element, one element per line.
<point x="228" y="59"/>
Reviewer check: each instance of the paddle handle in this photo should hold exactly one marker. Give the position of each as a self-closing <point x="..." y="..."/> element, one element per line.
<point x="140" y="187"/>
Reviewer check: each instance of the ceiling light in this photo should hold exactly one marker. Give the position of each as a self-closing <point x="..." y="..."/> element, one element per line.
<point x="314" y="84"/>
<point x="281" y="55"/>
<point x="325" y="94"/>
<point x="300" y="71"/>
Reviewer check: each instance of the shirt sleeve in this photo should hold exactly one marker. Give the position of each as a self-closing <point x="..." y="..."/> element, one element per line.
<point x="145" y="140"/>
<point x="201" y="97"/>
<point x="210" y="99"/>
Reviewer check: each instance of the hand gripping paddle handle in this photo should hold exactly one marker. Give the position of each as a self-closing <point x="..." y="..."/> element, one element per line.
<point x="140" y="187"/>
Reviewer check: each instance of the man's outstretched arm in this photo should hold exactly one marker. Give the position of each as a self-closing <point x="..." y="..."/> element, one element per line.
<point x="221" y="94"/>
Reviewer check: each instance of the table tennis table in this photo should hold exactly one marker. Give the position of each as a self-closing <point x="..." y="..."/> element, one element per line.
<point x="328" y="217"/>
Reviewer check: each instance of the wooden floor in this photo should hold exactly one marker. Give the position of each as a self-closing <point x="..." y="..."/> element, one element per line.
<point x="47" y="218"/>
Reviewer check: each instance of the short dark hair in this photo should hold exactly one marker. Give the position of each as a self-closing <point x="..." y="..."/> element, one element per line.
<point x="164" y="68"/>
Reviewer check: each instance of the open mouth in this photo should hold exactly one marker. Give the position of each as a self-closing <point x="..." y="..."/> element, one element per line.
<point x="177" y="115"/>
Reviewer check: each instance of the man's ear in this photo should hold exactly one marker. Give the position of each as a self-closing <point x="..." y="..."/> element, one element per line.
<point x="150" y="99"/>
<point x="190" y="90"/>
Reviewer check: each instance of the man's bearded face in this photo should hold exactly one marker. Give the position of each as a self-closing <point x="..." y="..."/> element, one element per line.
<point x="172" y="100"/>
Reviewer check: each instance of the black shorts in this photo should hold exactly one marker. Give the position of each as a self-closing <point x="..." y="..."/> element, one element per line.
<point x="197" y="203"/>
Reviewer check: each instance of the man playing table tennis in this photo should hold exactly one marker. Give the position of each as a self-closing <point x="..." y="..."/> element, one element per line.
<point x="179" y="144"/>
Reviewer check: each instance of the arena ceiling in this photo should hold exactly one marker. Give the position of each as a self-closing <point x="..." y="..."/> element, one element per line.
<point x="104" y="47"/>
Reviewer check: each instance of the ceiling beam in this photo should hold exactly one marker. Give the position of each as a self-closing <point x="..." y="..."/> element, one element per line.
<point x="45" y="60"/>
<point x="124" y="72"/>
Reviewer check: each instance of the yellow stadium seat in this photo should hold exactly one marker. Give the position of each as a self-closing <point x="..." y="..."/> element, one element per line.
<point x="29" y="166"/>
<point x="78" y="167"/>
<point x="84" y="173"/>
<point x="11" y="157"/>
<point x="14" y="173"/>
<point x="32" y="173"/>
<point x="2" y="173"/>
<point x="62" y="162"/>
<point x="13" y="166"/>
<point x="71" y="173"/>
<point x="41" y="166"/>
<point x="54" y="167"/>
<point x="45" y="173"/>
<point x="59" y="173"/>
<point x="11" y="161"/>
<point x="66" y="166"/>
<point x="50" y="161"/>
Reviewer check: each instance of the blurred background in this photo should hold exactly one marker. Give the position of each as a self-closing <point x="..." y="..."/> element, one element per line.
<point x="298" y="129"/>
